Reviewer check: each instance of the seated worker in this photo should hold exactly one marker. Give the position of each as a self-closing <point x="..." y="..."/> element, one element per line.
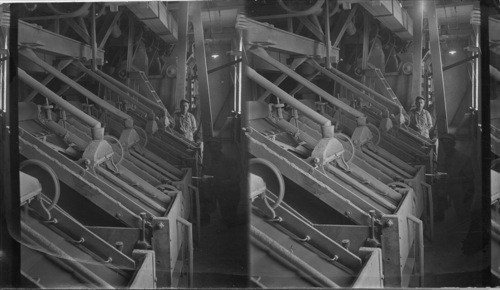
<point x="420" y="118"/>
<point x="184" y="122"/>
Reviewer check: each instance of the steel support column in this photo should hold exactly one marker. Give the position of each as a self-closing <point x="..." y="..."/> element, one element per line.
<point x="180" y="53"/>
<point x="437" y="70"/>
<point x="201" y="63"/>
<point x="366" y="45"/>
<point x="416" y="82"/>
<point x="93" y="37"/>
<point x="328" y="43"/>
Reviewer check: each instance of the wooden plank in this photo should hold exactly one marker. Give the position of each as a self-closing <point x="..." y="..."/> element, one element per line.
<point x="283" y="41"/>
<point x="92" y="241"/>
<point x="55" y="44"/>
<point x="372" y="275"/>
<point x="301" y="229"/>
<point x="161" y="246"/>
<point x="338" y="199"/>
<point x="112" y="235"/>
<point x="145" y="276"/>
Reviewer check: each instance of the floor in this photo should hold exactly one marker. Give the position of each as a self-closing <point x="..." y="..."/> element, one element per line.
<point x="445" y="264"/>
<point x="220" y="258"/>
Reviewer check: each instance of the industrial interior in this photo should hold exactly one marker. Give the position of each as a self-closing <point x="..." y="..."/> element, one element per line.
<point x="363" y="128"/>
<point x="494" y="69"/>
<point x="129" y="140"/>
<point x="257" y="143"/>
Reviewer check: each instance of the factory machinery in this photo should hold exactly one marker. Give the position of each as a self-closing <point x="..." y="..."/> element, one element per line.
<point x="107" y="190"/>
<point x="338" y="182"/>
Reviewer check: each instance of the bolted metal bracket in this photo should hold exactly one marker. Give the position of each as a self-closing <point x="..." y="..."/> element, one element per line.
<point x="97" y="152"/>
<point x="361" y="135"/>
<point x="327" y="150"/>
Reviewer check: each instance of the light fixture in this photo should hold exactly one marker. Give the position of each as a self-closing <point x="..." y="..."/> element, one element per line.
<point x="215" y="55"/>
<point x="452" y="52"/>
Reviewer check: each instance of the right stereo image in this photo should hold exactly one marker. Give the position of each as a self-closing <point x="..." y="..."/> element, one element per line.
<point x="494" y="69"/>
<point x="363" y="128"/>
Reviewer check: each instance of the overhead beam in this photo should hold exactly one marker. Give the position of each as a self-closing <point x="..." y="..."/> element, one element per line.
<point x="392" y="16"/>
<point x="201" y="64"/>
<point x="279" y="40"/>
<point x="416" y="79"/>
<point x="157" y="17"/>
<point x="180" y="52"/>
<point x="93" y="36"/>
<point x="437" y="70"/>
<point x="48" y="42"/>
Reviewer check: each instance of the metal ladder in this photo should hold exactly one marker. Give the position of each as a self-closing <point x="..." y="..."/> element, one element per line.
<point x="150" y="89"/>
<point x="388" y="92"/>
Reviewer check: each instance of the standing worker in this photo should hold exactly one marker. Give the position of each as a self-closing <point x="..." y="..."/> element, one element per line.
<point x="184" y="122"/>
<point x="420" y="118"/>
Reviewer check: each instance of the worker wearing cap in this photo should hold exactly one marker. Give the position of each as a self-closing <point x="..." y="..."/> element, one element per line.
<point x="184" y="122"/>
<point x="420" y="118"/>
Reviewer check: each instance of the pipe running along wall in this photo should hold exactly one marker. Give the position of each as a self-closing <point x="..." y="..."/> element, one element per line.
<point x="261" y="53"/>
<point x="26" y="78"/>
<point x="114" y="88"/>
<point x="302" y="266"/>
<point x="127" y="120"/>
<point x="253" y="75"/>
<point x="158" y="109"/>
<point x="353" y="86"/>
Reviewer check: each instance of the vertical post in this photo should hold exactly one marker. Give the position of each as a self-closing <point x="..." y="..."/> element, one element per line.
<point x="327" y="34"/>
<point x="240" y="66"/>
<point x="180" y="53"/>
<point x="130" y="46"/>
<point x="366" y="44"/>
<point x="235" y="82"/>
<point x="289" y="24"/>
<point x="437" y="71"/>
<point x="416" y="82"/>
<point x="477" y="70"/>
<point x="93" y="39"/>
<point x="201" y="64"/>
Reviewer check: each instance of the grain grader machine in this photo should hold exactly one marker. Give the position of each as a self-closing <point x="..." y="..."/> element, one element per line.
<point x="338" y="159"/>
<point x="126" y="195"/>
<point x="58" y="251"/>
<point x="283" y="242"/>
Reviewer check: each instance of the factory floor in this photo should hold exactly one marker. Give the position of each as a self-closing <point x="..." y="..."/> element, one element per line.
<point x="445" y="263"/>
<point x="220" y="258"/>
